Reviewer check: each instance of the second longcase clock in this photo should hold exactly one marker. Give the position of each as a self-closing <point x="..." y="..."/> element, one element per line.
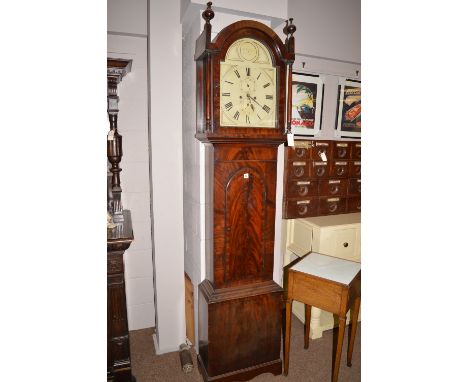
<point x="242" y="77"/>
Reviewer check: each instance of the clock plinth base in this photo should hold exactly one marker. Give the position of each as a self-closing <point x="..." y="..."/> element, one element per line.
<point x="274" y="367"/>
<point x="239" y="331"/>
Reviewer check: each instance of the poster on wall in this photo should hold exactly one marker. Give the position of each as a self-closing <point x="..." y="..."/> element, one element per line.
<point x="307" y="100"/>
<point x="348" y="115"/>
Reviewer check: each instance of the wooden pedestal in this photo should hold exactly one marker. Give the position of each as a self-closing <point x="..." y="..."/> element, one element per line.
<point x="240" y="331"/>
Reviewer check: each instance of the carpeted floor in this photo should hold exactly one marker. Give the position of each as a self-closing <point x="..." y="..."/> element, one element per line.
<point x="313" y="364"/>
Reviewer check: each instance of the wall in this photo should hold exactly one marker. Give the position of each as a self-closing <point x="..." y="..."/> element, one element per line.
<point x="328" y="29"/>
<point x="127" y="39"/>
<point x="165" y="69"/>
<point x="328" y="43"/>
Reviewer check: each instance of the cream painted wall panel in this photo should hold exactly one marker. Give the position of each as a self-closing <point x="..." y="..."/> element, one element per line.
<point x="127" y="16"/>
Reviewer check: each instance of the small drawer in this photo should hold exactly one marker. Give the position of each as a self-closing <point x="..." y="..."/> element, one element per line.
<point x="342" y="150"/>
<point x="321" y="151"/>
<point x="331" y="206"/>
<point x="319" y="170"/>
<point x="294" y="153"/>
<point x="339" y="169"/>
<point x="354" y="204"/>
<point x="302" y="188"/>
<point x="298" y="169"/>
<point x="356" y="150"/>
<point x="354" y="188"/>
<point x="301" y="208"/>
<point x="355" y="169"/>
<point x="333" y="187"/>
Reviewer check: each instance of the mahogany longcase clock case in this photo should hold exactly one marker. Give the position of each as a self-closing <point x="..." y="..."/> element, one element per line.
<point x="242" y="77"/>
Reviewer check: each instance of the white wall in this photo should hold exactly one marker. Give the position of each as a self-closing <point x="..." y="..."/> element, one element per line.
<point x="328" y="43"/>
<point x="127" y="39"/>
<point x="328" y="28"/>
<point x="165" y="53"/>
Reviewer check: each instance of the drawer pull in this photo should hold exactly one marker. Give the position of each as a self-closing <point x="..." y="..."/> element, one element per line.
<point x="300" y="152"/>
<point x="320" y="171"/>
<point x="302" y="209"/>
<point x="341" y="153"/>
<point x="334" y="190"/>
<point x="345" y="245"/>
<point x="333" y="207"/>
<point x="299" y="171"/>
<point x="303" y="190"/>
<point x="340" y="170"/>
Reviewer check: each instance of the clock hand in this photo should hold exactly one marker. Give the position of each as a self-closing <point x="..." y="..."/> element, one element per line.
<point x="250" y="98"/>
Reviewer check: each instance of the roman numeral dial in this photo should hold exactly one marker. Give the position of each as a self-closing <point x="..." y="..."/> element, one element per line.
<point x="247" y="95"/>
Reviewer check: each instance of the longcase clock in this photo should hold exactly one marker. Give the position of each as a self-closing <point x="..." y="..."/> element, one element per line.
<point x="242" y="77"/>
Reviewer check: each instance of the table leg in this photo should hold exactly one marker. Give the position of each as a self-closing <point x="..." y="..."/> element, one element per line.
<point x="339" y="345"/>
<point x="287" y="336"/>
<point x="308" y="309"/>
<point x="352" y="328"/>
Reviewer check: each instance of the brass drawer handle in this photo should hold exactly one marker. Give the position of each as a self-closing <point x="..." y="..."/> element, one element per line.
<point x="300" y="152"/>
<point x="341" y="153"/>
<point x="299" y="171"/>
<point x="333" y="207"/>
<point x="302" y="210"/>
<point x="303" y="190"/>
<point x="334" y="190"/>
<point x="320" y="171"/>
<point x="340" y="170"/>
<point x="345" y="245"/>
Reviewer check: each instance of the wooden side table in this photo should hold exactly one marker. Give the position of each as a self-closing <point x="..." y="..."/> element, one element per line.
<point x="328" y="283"/>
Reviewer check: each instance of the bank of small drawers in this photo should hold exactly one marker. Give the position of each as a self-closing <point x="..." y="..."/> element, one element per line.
<point x="322" y="178"/>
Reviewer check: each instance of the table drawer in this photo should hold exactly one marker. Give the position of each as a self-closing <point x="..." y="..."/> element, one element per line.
<point x="302" y="188"/>
<point x="339" y="169"/>
<point x="301" y="208"/>
<point x="320" y="148"/>
<point x="298" y="169"/>
<point x="319" y="169"/>
<point x="333" y="187"/>
<point x="344" y="243"/>
<point x="331" y="206"/>
<point x="342" y="150"/>
<point x="354" y="204"/>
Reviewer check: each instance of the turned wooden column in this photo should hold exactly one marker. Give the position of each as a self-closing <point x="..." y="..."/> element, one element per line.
<point x="116" y="70"/>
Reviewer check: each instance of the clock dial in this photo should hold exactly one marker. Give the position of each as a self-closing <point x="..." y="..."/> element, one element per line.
<point x="248" y="87"/>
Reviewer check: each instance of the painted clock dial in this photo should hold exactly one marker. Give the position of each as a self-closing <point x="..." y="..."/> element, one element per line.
<point x="248" y="86"/>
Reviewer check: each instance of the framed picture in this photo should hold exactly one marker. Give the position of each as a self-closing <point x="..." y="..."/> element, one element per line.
<point x="307" y="101"/>
<point x="348" y="113"/>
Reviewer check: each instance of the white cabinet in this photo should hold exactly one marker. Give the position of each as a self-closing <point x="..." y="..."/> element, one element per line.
<point x="334" y="235"/>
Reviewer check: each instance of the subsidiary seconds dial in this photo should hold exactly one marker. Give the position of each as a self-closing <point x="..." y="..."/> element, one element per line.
<point x="248" y="96"/>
